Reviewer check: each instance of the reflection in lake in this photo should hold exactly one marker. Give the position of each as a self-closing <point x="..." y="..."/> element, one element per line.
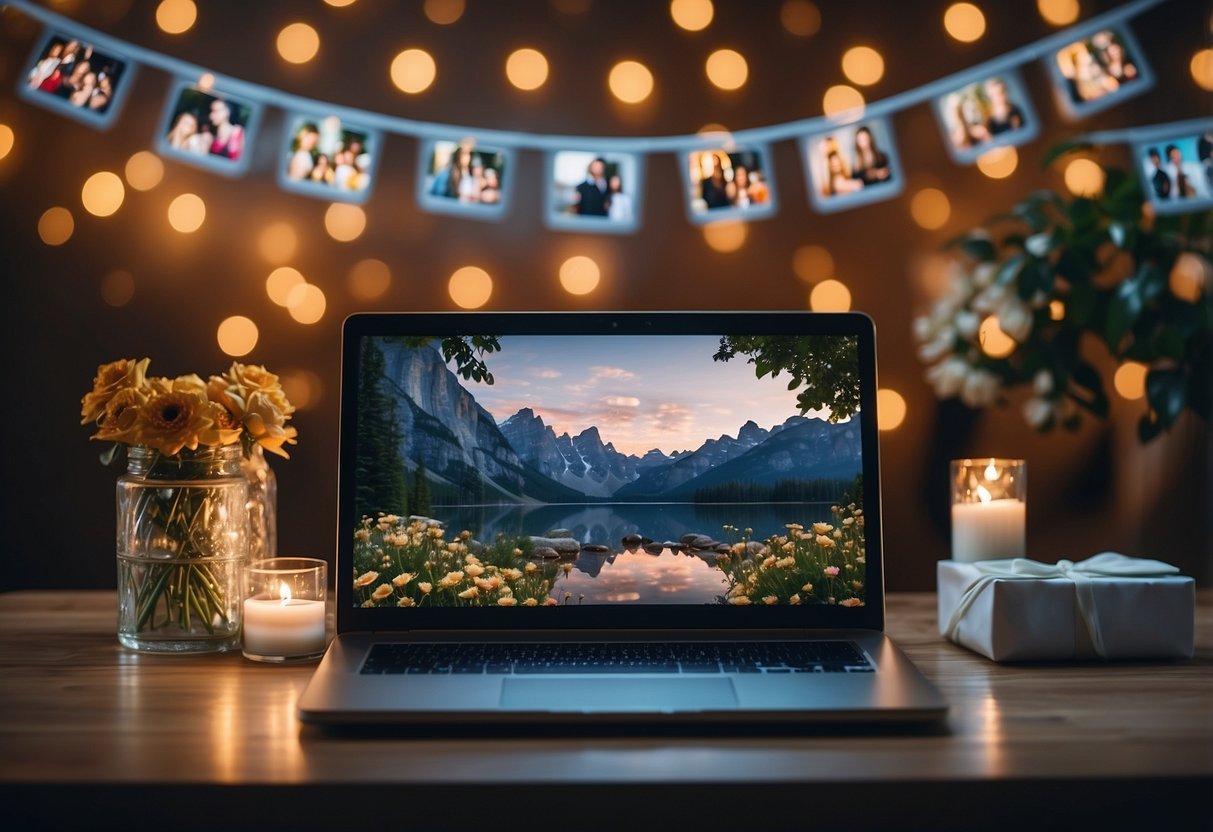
<point x="642" y="578"/>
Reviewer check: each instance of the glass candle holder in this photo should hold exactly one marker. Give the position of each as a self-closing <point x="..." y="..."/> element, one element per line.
<point x="284" y="612"/>
<point x="989" y="508"/>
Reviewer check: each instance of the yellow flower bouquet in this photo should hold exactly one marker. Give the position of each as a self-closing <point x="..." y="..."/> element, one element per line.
<point x="183" y="503"/>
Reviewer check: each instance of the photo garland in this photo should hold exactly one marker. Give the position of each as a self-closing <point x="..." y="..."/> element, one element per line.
<point x="596" y="185"/>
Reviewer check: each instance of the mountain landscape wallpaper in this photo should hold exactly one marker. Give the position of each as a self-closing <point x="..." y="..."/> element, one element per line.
<point x="553" y="470"/>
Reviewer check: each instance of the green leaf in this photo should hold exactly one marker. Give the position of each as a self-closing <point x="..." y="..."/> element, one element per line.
<point x="979" y="248"/>
<point x="1009" y="270"/>
<point x="1167" y="394"/>
<point x="1117" y="234"/>
<point x="1090" y="393"/>
<point x="1061" y="149"/>
<point x="1148" y="428"/>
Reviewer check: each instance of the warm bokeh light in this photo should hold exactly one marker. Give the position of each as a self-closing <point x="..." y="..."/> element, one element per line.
<point x="413" y="70"/>
<point x="842" y="103"/>
<point x="206" y="81"/>
<point x="527" y="69"/>
<point x="298" y="43"/>
<point x="306" y="303"/>
<point x="725" y="236"/>
<point x="579" y="275"/>
<point x="369" y="279"/>
<point x="830" y="296"/>
<point x="1058" y="12"/>
<point x="965" y="22"/>
<point x="998" y="163"/>
<point x="186" y="213"/>
<point x="890" y="409"/>
<point x="1084" y="177"/>
<point x="812" y="263"/>
<point x="1057" y="310"/>
<point x="6" y="140"/>
<point x="176" y="16"/>
<point x="56" y="225"/>
<point x="930" y="208"/>
<point x="277" y="242"/>
<point x="630" y="82"/>
<point x="444" y="12"/>
<point x="800" y="17"/>
<point x="727" y="69"/>
<point x="344" y="222"/>
<point x="1130" y="380"/>
<point x="1190" y="277"/>
<point x="340" y="4"/>
<point x="117" y="288"/>
<point x="144" y="170"/>
<point x="102" y="193"/>
<point x="237" y="336"/>
<point x="303" y="388"/>
<point x="994" y="342"/>
<point x="692" y="15"/>
<point x="863" y="65"/>
<point x="470" y="287"/>
<point x="280" y="283"/>
<point x="1202" y="69"/>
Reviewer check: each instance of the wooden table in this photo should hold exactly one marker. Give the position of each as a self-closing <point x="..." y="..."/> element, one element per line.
<point x="90" y="731"/>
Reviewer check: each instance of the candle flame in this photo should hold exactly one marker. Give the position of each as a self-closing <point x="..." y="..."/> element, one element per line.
<point x="991" y="472"/>
<point x="982" y="494"/>
<point x="284" y="592"/>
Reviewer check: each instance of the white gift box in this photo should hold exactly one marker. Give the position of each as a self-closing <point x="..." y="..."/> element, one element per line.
<point x="1107" y="607"/>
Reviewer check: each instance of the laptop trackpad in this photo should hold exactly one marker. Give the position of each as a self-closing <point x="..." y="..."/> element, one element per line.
<point x="600" y="695"/>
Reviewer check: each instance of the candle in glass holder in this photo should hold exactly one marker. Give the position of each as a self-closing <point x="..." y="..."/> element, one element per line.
<point x="284" y="613"/>
<point x="989" y="509"/>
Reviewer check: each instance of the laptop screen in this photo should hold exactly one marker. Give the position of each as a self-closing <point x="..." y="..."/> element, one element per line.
<point x="690" y="468"/>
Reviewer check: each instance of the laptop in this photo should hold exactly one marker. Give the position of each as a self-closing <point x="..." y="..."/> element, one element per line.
<point x="610" y="517"/>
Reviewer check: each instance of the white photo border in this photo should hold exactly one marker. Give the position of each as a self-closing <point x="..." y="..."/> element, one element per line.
<point x="1075" y="110"/>
<point x="445" y="205"/>
<point x="293" y="121"/>
<point x="93" y="118"/>
<point x="1012" y="138"/>
<point x="211" y="162"/>
<point x="559" y="221"/>
<point x="711" y="215"/>
<point x="868" y="195"/>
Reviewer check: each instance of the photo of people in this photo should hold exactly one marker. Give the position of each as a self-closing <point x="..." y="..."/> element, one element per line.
<point x="209" y="129"/>
<point x="592" y="191"/>
<point x="1098" y="71"/>
<point x="990" y="113"/>
<point x="728" y="182"/>
<point x="328" y="158"/>
<point x="1177" y="174"/>
<point x="852" y="165"/>
<point x="463" y="177"/>
<point x="76" y="77"/>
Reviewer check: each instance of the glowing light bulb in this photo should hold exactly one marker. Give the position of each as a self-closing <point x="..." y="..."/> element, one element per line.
<point x="298" y="43"/>
<point x="413" y="71"/>
<point x="630" y="81"/>
<point x="863" y="65"/>
<point x="526" y="69"/>
<point x="965" y="22"/>
<point x="237" y="336"/>
<point x="470" y="287"/>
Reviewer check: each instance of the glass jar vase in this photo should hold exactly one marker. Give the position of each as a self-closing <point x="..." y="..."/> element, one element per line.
<point x="262" y="505"/>
<point x="183" y="544"/>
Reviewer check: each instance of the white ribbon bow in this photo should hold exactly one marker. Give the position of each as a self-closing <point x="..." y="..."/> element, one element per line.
<point x="1105" y="565"/>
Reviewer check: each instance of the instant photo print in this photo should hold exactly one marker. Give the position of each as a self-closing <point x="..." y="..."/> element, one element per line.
<point x="1098" y="71"/>
<point x="992" y="112"/>
<point x="463" y="177"/>
<point x="328" y="158"/>
<point x="728" y="184"/>
<point x="209" y="128"/>
<point x="594" y="192"/>
<point x="851" y="165"/>
<point x="1177" y="172"/>
<point x="76" y="78"/>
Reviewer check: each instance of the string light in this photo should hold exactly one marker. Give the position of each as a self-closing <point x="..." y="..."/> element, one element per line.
<point x="998" y="163"/>
<point x="237" y="336"/>
<point x="727" y="69"/>
<point x="1130" y="380"/>
<point x="338" y="4"/>
<point x="930" y="208"/>
<point x="1084" y="177"/>
<point x="842" y="103"/>
<point x="56" y="225"/>
<point x="965" y="22"/>
<point x="813" y="263"/>
<point x="526" y="69"/>
<point x="443" y="12"/>
<point x="344" y="222"/>
<point x="579" y="275"/>
<point x="102" y="194"/>
<point x="186" y="213"/>
<point x="470" y="287"/>
<point x="7" y="138"/>
<point x="117" y="288"/>
<point x="994" y="342"/>
<point x="306" y="303"/>
<point x="1057" y="310"/>
<point x="1190" y="277"/>
<point x="725" y="236"/>
<point x="630" y="82"/>
<point x="1058" y="12"/>
<point x="298" y="43"/>
<point x="830" y="296"/>
<point x="692" y="15"/>
<point x="890" y="409"/>
<point x="413" y="71"/>
<point x="1202" y="69"/>
<point x="176" y="16"/>
<point x="144" y="170"/>
<point x="800" y="18"/>
<point x="277" y="242"/>
<point x="280" y="283"/>
<point x="863" y="65"/>
<point x="303" y="388"/>
<point x="369" y="279"/>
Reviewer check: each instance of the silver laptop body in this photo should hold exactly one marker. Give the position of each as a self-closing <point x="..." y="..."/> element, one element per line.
<point x="616" y="517"/>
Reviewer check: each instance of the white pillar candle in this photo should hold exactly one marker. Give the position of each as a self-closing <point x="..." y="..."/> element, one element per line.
<point x="285" y="627"/>
<point x="988" y="530"/>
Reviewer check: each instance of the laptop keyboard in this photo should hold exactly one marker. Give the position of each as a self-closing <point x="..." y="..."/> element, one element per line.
<point x="617" y="657"/>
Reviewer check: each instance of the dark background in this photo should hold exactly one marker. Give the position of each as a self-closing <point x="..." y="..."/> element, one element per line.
<point x="1090" y="491"/>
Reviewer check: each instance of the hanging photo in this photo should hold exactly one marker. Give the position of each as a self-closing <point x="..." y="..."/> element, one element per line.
<point x="77" y="78"/>
<point x="462" y="177"/>
<point x="852" y="165"/>
<point x="1098" y="71"/>
<point x="210" y="128"/>
<point x="1177" y="173"/>
<point x="595" y="192"/>
<point x="735" y="183"/>
<point x="992" y="112"/>
<point x="328" y="158"/>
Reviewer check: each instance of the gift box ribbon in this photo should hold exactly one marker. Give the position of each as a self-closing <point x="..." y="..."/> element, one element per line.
<point x="1105" y="565"/>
